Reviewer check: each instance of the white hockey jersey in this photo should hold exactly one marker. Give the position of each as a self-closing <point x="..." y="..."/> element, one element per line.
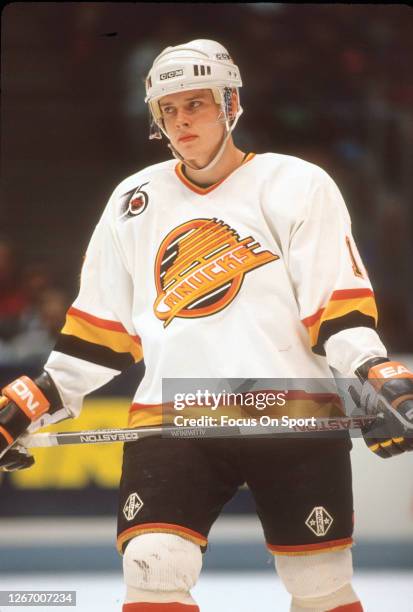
<point x="248" y="278"/>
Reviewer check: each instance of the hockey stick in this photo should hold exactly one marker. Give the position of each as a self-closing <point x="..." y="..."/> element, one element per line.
<point x="105" y="436"/>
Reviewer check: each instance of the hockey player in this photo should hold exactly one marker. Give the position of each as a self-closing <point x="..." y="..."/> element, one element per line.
<point x="220" y="264"/>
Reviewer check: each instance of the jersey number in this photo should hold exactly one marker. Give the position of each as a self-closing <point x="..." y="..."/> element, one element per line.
<point x="355" y="266"/>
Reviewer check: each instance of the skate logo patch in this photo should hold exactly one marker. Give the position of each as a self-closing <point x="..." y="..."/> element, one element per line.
<point x="319" y="521"/>
<point x="200" y="267"/>
<point x="132" y="506"/>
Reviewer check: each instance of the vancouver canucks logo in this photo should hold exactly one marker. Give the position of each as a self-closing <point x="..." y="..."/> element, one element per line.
<point x="200" y="267"/>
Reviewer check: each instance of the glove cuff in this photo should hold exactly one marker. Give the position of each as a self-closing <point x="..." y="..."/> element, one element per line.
<point x="45" y="383"/>
<point x="24" y="402"/>
<point x="362" y="371"/>
<point x="27" y="396"/>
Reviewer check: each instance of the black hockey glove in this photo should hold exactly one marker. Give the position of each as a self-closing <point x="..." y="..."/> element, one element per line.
<point x="22" y="402"/>
<point x="16" y="458"/>
<point x="387" y="391"/>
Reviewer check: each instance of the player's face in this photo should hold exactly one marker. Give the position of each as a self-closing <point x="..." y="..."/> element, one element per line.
<point x="191" y="121"/>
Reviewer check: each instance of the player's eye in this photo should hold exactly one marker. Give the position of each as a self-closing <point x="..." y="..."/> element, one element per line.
<point x="167" y="110"/>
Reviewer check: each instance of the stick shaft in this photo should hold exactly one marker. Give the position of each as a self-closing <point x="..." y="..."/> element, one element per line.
<point x="106" y="436"/>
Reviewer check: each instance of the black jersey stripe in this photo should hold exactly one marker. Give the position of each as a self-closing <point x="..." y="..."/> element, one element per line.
<point x="95" y="353"/>
<point x="328" y="328"/>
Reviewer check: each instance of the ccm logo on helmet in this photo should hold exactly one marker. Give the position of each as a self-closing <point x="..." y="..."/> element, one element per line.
<point x="171" y="74"/>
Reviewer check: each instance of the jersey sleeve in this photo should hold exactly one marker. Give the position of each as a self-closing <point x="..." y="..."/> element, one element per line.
<point x="98" y="340"/>
<point x="331" y="284"/>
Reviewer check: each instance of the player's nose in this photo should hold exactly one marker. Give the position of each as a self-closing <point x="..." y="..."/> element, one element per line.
<point x="181" y="118"/>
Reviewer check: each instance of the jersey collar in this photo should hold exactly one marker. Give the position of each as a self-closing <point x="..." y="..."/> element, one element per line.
<point x="204" y="190"/>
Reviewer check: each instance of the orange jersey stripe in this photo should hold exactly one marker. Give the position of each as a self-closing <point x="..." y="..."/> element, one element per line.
<point x="184" y="532"/>
<point x="192" y="186"/>
<point x="306" y="549"/>
<point x="139" y="407"/>
<point x="350" y="607"/>
<point x="144" y="415"/>
<point x="346" y="294"/>
<point x="172" y="606"/>
<point x="341" y="303"/>
<point x="291" y="396"/>
<point x="309" y="321"/>
<point x="144" y="418"/>
<point x="98" y="322"/>
<point x="113" y="336"/>
<point x="340" y="294"/>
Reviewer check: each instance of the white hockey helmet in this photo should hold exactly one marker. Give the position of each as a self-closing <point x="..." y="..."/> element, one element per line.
<point x="198" y="64"/>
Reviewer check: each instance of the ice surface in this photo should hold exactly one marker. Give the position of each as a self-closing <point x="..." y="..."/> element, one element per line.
<point x="223" y="592"/>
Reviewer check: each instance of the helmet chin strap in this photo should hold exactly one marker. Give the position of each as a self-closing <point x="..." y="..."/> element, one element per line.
<point x="217" y="155"/>
<point x="210" y="164"/>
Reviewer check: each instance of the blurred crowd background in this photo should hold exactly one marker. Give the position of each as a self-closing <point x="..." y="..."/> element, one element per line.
<point x="330" y="83"/>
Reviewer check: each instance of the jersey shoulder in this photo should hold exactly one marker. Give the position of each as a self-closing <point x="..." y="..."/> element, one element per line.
<point x="291" y="165"/>
<point x="304" y="185"/>
<point x="134" y="183"/>
<point x="135" y="180"/>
